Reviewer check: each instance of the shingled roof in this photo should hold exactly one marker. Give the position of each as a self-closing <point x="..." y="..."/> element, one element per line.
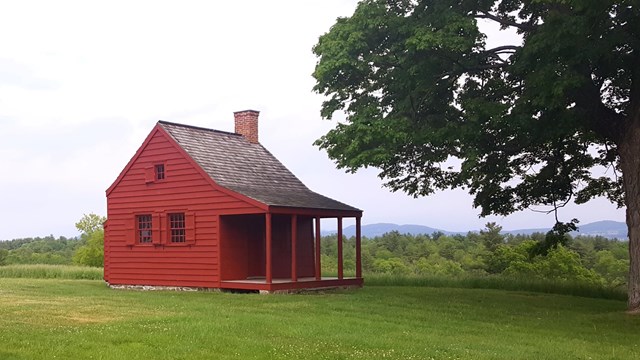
<point x="247" y="168"/>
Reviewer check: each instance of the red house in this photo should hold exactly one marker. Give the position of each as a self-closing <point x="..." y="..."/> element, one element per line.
<point x="204" y="208"/>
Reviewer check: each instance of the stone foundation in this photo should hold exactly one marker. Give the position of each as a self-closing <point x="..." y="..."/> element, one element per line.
<point x="159" y="288"/>
<point x="187" y="288"/>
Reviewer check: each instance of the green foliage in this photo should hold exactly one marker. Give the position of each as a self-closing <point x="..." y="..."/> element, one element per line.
<point x="559" y="264"/>
<point x="90" y="223"/>
<point x="436" y="265"/>
<point x="491" y="237"/>
<point x="505" y="257"/>
<point x="88" y="250"/>
<point x="614" y="271"/>
<point x="391" y="266"/>
<point x="538" y="120"/>
<point x="419" y="86"/>
<point x="3" y="256"/>
<point x="47" y="250"/>
<point x="589" y="261"/>
<point x="92" y="252"/>
<point x="16" y="243"/>
<point x="558" y="235"/>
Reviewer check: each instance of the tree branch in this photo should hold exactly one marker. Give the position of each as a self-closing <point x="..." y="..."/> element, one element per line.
<point x="504" y="48"/>
<point x="502" y="21"/>
<point x="485" y="67"/>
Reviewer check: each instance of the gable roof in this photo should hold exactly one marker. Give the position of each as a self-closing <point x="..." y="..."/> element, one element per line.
<point x="247" y="168"/>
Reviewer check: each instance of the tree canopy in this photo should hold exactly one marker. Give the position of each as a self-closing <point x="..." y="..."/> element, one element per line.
<point x="90" y="223"/>
<point x="549" y="118"/>
<point x="91" y="253"/>
<point x="581" y="260"/>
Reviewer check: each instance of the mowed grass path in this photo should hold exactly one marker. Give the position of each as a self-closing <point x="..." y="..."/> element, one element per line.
<point x="83" y="319"/>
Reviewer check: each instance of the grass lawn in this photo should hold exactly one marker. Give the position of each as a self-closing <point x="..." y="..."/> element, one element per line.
<point x="83" y="319"/>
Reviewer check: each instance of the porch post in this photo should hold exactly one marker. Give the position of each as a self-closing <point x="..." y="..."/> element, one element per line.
<point x="358" y="248"/>
<point x="318" y="266"/>
<point x="268" y="275"/>
<point x="340" y="270"/>
<point x="294" y="254"/>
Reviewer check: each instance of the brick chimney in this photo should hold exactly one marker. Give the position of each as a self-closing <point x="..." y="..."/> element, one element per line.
<point x="247" y="124"/>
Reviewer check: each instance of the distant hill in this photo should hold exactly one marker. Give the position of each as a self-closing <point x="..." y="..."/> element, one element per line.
<point x="379" y="229"/>
<point x="607" y="228"/>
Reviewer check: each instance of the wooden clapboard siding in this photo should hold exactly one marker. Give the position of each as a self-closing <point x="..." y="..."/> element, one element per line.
<point x="184" y="189"/>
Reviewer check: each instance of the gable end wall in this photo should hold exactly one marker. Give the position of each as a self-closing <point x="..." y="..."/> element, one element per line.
<point x="184" y="189"/>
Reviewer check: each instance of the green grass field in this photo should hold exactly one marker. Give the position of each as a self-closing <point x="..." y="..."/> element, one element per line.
<point x="83" y="319"/>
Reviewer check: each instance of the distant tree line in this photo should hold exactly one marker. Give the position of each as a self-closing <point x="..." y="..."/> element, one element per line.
<point x="87" y="249"/>
<point x="587" y="259"/>
<point x="39" y="250"/>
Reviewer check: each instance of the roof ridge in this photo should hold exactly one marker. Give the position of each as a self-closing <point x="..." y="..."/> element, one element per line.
<point x="197" y="127"/>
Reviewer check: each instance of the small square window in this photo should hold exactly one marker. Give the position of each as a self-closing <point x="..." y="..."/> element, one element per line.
<point x="177" y="228"/>
<point x="159" y="170"/>
<point x="144" y="229"/>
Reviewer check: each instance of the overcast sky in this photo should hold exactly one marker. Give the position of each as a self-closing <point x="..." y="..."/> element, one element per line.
<point x="82" y="84"/>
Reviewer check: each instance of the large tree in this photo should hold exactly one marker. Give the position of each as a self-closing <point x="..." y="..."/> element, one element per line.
<point x="550" y="118"/>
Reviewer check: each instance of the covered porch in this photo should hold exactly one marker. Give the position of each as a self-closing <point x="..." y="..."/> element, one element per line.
<point x="281" y="250"/>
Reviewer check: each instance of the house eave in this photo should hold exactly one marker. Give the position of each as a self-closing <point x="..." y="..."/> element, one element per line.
<point x="315" y="212"/>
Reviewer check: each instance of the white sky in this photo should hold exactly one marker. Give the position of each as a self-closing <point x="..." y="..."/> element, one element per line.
<point x="82" y="83"/>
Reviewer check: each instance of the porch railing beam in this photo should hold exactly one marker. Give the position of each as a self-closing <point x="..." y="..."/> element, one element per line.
<point x="268" y="275"/>
<point x="318" y="241"/>
<point x="340" y="269"/>
<point x="358" y="247"/>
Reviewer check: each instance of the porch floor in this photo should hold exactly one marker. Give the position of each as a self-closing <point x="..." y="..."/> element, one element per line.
<point x="283" y="284"/>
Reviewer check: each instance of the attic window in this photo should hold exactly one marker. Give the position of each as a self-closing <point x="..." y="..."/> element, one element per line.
<point x="159" y="171"/>
<point x="177" y="228"/>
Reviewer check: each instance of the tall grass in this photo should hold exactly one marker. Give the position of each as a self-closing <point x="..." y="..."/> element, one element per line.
<point x="500" y="283"/>
<point x="41" y="271"/>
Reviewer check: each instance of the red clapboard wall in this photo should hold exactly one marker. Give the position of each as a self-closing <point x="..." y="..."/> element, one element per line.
<point x="184" y="189"/>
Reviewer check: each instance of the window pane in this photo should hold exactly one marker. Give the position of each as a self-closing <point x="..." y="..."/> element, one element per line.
<point x="177" y="227"/>
<point x="159" y="172"/>
<point x="144" y="228"/>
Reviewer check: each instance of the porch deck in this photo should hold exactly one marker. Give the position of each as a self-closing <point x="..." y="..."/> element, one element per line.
<point x="285" y="284"/>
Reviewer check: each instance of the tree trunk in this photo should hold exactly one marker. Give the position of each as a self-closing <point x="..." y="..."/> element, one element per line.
<point x="629" y="151"/>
